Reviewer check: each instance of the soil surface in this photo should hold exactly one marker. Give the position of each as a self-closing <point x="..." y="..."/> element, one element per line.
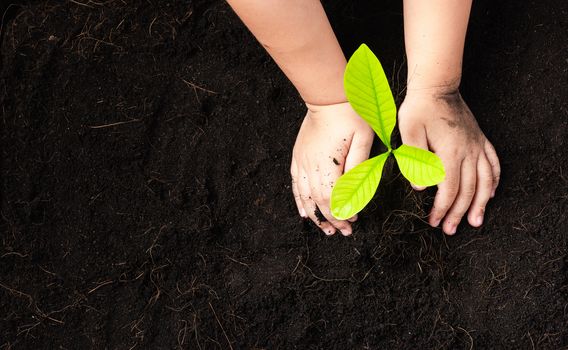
<point x="146" y="202"/>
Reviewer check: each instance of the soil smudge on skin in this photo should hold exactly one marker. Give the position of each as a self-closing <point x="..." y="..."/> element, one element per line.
<point x="463" y="121"/>
<point x="336" y="162"/>
<point x="452" y="124"/>
<point x="319" y="215"/>
<point x="454" y="102"/>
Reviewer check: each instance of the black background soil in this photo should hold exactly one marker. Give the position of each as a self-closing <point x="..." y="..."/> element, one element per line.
<point x="145" y="198"/>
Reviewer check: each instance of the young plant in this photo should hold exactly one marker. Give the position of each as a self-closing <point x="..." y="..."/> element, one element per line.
<point x="369" y="94"/>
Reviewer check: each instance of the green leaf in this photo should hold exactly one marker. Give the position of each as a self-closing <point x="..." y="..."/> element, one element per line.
<point x="357" y="187"/>
<point x="420" y="167"/>
<point x="369" y="93"/>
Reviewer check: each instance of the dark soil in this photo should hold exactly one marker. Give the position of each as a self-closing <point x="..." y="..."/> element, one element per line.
<point x="146" y="202"/>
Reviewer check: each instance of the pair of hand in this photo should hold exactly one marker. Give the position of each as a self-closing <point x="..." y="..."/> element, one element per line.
<point x="333" y="139"/>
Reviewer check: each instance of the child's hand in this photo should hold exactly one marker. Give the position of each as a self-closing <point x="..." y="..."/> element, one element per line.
<point x="443" y="123"/>
<point x="332" y="140"/>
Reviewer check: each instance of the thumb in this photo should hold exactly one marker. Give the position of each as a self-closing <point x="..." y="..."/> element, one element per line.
<point x="416" y="138"/>
<point x="358" y="150"/>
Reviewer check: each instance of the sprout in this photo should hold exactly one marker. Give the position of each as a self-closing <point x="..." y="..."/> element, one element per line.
<point x="369" y="94"/>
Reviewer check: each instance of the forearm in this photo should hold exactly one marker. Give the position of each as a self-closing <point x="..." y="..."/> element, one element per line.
<point x="298" y="36"/>
<point x="434" y="37"/>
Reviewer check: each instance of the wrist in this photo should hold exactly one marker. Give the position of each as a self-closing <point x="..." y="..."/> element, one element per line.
<point x="434" y="75"/>
<point x="434" y="88"/>
<point x="426" y="98"/>
<point x="323" y="100"/>
<point x="317" y="108"/>
<point x="321" y="82"/>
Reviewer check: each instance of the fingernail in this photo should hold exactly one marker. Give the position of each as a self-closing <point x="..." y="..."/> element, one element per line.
<point x="479" y="220"/>
<point x="345" y="232"/>
<point x="436" y="223"/>
<point x="492" y="193"/>
<point x="329" y="232"/>
<point x="453" y="229"/>
<point x="303" y="213"/>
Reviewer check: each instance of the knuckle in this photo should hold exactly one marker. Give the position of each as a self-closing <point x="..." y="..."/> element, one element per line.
<point x="468" y="191"/>
<point x="454" y="153"/>
<point x="440" y="209"/>
<point x="473" y="151"/>
<point x="321" y="196"/>
<point x="455" y="217"/>
<point x="317" y="198"/>
<point x="451" y="189"/>
<point x="487" y="180"/>
<point x="340" y="224"/>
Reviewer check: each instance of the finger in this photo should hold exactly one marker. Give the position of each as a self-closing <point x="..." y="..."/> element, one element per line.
<point x="358" y="150"/>
<point x="417" y="138"/>
<point x="495" y="165"/>
<point x="294" y="173"/>
<point x="316" y="216"/>
<point x="321" y="194"/>
<point x="463" y="199"/>
<point x="298" y="200"/>
<point x="309" y="205"/>
<point x="322" y="201"/>
<point x="447" y="192"/>
<point x="483" y="190"/>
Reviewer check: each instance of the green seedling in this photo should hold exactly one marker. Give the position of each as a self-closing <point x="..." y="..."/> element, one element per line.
<point x="369" y="94"/>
